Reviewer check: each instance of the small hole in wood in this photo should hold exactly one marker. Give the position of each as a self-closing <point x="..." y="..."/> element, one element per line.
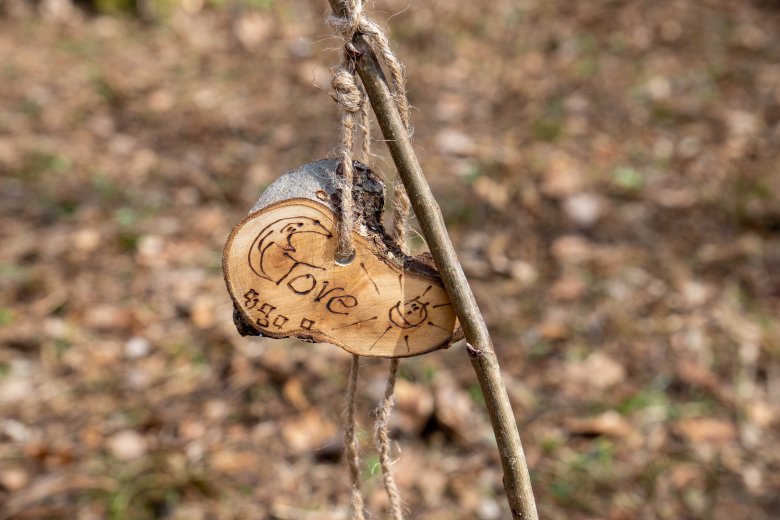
<point x="345" y="260"/>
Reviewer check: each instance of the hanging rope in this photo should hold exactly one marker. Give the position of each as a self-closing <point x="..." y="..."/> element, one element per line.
<point x="382" y="438"/>
<point x="400" y="213"/>
<point x="350" y="100"/>
<point x="365" y="125"/>
<point x="351" y="97"/>
<point x="351" y="443"/>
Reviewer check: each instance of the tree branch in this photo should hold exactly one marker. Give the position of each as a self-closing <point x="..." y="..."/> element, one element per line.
<point x="517" y="481"/>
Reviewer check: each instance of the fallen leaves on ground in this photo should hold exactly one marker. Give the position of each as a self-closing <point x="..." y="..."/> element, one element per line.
<point x="607" y="172"/>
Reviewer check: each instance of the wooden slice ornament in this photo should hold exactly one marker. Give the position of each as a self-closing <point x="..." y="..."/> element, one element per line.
<point x="281" y="271"/>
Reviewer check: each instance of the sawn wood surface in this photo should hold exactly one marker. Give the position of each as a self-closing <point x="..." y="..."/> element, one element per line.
<point x="281" y="274"/>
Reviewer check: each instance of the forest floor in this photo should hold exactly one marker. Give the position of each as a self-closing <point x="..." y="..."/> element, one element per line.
<point x="609" y="172"/>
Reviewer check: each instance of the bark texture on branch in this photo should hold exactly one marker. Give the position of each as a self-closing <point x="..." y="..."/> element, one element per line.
<point x="517" y="481"/>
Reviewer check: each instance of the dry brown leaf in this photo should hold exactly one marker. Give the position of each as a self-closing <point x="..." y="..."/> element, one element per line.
<point x="686" y="475"/>
<point x="605" y="370"/>
<point x="252" y="29"/>
<point x="414" y="406"/>
<point x="552" y="330"/>
<point x="492" y="192"/>
<point x="707" y="430"/>
<point x="47" y="486"/>
<point x="454" y="142"/>
<point x="127" y="445"/>
<point x="107" y="317"/>
<point x="596" y="373"/>
<point x="698" y="375"/>
<point x="234" y="461"/>
<point x="609" y="423"/>
<point x="292" y="390"/>
<point x="202" y="313"/>
<point x="13" y="479"/>
<point x="572" y="249"/>
<point x="564" y="176"/>
<point x="454" y="409"/>
<point x="569" y="287"/>
<point x="192" y="429"/>
<point x="584" y="209"/>
<point x="762" y="413"/>
<point x="308" y="431"/>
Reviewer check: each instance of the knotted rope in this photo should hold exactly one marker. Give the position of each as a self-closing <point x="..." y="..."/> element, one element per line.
<point x="383" y="442"/>
<point x="351" y="102"/>
<point x="351" y="97"/>
<point x="351" y="443"/>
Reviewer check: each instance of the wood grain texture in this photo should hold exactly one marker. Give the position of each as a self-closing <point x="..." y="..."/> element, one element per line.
<point x="281" y="274"/>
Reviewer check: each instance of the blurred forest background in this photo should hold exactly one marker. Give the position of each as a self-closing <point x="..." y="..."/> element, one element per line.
<point x="609" y="170"/>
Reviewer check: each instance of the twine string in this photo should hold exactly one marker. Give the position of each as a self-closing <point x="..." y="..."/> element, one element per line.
<point x="351" y="443"/>
<point x="351" y="99"/>
<point x="353" y="104"/>
<point x="400" y="213"/>
<point x="365" y="126"/>
<point x="382" y="439"/>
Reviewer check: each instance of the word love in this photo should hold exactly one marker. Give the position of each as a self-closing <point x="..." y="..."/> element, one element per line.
<point x="281" y="274"/>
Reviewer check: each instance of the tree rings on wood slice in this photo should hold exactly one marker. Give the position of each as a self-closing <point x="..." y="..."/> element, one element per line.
<point x="280" y="269"/>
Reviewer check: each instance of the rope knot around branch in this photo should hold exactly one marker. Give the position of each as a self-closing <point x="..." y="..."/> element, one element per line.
<point x="347" y="93"/>
<point x="350" y="24"/>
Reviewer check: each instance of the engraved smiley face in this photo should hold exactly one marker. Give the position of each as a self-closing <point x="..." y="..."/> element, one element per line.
<point x="412" y="313"/>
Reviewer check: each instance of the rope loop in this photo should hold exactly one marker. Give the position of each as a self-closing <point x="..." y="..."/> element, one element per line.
<point x="347" y="26"/>
<point x="348" y="95"/>
<point x="352" y="100"/>
<point x="351" y="442"/>
<point x="355" y="22"/>
<point x="382" y="439"/>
